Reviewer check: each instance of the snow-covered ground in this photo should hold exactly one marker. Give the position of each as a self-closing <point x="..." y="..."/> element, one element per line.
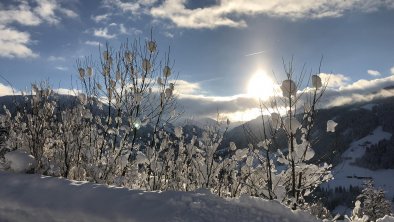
<point x="346" y="173"/>
<point x="26" y="197"/>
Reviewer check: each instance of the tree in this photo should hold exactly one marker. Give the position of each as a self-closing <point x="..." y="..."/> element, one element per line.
<point x="301" y="175"/>
<point x="136" y="86"/>
<point x="372" y="203"/>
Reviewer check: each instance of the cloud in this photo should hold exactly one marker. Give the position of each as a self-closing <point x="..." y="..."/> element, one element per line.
<point x="208" y="106"/>
<point x="61" y="68"/>
<point x="368" y="85"/>
<point x="191" y="98"/>
<point x="185" y="88"/>
<point x="6" y="90"/>
<point x="21" y="14"/>
<point x="340" y="100"/>
<point x="209" y="17"/>
<point x="46" y="10"/>
<point x="68" y="12"/>
<point x="100" y="18"/>
<point x="122" y="29"/>
<point x="373" y="72"/>
<point x="359" y="91"/>
<point x="169" y="35"/>
<point x="93" y="43"/>
<point x="232" y="13"/>
<point x="103" y="33"/>
<point x="54" y="58"/>
<point x="125" y="6"/>
<point x="15" y="43"/>
<point x="114" y="29"/>
<point x="136" y="7"/>
<point x="392" y="70"/>
<point x="334" y="80"/>
<point x="64" y="91"/>
<point x="340" y="91"/>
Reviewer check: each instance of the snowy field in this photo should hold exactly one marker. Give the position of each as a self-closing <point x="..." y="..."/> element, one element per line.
<point x="346" y="173"/>
<point x="31" y="198"/>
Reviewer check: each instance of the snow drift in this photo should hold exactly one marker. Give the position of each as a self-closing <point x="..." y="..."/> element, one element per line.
<point x="39" y="198"/>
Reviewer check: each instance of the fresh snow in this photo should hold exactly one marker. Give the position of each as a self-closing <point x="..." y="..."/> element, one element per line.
<point x="29" y="197"/>
<point x="346" y="173"/>
<point x="19" y="161"/>
<point x="386" y="218"/>
<point x="331" y="124"/>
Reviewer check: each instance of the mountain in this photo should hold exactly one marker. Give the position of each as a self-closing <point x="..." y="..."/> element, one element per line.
<point x="204" y="122"/>
<point x="355" y="121"/>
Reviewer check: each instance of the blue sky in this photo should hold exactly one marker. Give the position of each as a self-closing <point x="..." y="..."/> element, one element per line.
<point x="210" y="41"/>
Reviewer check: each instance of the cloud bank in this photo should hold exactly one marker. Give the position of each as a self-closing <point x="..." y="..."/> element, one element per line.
<point x="15" y="43"/>
<point x="232" y="13"/>
<point x="340" y="91"/>
<point x="194" y="101"/>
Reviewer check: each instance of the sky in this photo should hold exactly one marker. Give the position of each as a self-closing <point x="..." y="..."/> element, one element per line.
<point x="217" y="45"/>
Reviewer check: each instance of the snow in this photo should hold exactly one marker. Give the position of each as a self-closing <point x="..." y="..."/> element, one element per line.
<point x="28" y="197"/>
<point x="331" y="124"/>
<point x="19" y="161"/>
<point x="346" y="173"/>
<point x="386" y="218"/>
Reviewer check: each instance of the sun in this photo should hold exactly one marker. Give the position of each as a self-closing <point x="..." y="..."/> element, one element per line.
<point x="260" y="85"/>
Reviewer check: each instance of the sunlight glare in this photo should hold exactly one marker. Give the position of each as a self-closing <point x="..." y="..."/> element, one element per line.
<point x="260" y="85"/>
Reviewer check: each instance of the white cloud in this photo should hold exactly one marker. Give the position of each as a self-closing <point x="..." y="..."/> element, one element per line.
<point x="15" y="43"/>
<point x="185" y="88"/>
<point x="125" y="6"/>
<point x="100" y="18"/>
<point x="334" y="80"/>
<point x="93" y="43"/>
<point x="369" y="85"/>
<point x="61" y="68"/>
<point x="136" y="7"/>
<point x="340" y="100"/>
<point x="68" y="12"/>
<point x="168" y="34"/>
<point x="56" y="58"/>
<point x="46" y="10"/>
<point x="64" y="91"/>
<point x="373" y="72"/>
<point x="231" y="12"/>
<point x="21" y="14"/>
<point x="6" y="90"/>
<point x="192" y="98"/>
<point x="240" y="107"/>
<point x="392" y="70"/>
<point x="103" y="33"/>
<point x="122" y="29"/>
<point x="359" y="91"/>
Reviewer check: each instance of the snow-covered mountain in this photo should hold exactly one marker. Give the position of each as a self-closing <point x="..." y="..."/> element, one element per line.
<point x="204" y="122"/>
